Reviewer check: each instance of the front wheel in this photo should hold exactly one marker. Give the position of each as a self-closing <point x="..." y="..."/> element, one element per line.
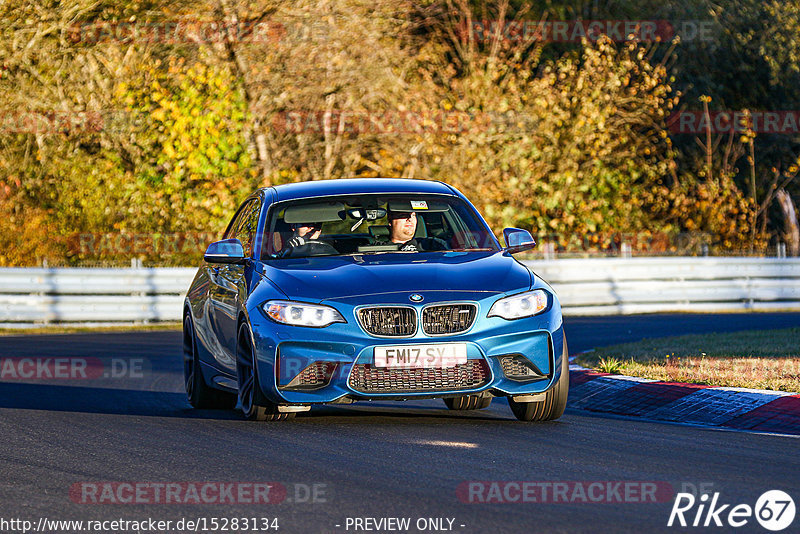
<point x="555" y="401"/>
<point x="468" y="402"/>
<point x="254" y="406"/>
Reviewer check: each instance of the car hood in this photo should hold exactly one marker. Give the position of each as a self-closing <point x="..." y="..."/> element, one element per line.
<point x="331" y="277"/>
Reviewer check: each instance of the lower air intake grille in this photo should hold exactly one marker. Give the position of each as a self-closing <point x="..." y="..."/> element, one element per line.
<point x="518" y="367"/>
<point x="448" y="318"/>
<point x="315" y="376"/>
<point x="389" y="321"/>
<point x="367" y="378"/>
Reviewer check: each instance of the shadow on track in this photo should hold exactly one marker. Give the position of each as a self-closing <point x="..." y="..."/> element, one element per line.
<point x="381" y="412"/>
<point x="27" y="396"/>
<point x="115" y="401"/>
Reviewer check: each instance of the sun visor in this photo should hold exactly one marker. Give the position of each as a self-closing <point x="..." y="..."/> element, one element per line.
<point x="314" y="213"/>
<point x="420" y="206"/>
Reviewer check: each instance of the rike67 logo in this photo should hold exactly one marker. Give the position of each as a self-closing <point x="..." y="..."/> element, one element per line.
<point x="774" y="510"/>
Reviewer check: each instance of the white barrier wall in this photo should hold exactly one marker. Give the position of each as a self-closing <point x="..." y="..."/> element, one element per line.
<point x="585" y="286"/>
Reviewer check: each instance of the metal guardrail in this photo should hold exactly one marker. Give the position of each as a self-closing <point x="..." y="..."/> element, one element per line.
<point x="646" y="285"/>
<point x="584" y="286"/>
<point x="79" y="295"/>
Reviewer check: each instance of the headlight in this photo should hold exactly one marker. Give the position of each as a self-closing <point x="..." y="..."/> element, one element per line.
<point x="525" y="304"/>
<point x="301" y="314"/>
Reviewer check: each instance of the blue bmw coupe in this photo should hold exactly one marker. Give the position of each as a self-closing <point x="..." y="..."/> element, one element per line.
<point x="338" y="291"/>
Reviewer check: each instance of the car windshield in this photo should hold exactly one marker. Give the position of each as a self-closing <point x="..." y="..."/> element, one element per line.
<point x="373" y="224"/>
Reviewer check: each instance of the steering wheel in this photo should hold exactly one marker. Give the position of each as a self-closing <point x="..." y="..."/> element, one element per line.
<point x="312" y="248"/>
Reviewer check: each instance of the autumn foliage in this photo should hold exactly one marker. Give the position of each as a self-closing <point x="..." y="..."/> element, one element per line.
<point x="165" y="137"/>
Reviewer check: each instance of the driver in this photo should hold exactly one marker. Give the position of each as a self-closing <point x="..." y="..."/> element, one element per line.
<point x="403" y="226"/>
<point x="304" y="233"/>
<point x="305" y="242"/>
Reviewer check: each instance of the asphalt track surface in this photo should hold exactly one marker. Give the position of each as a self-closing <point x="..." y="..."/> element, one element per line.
<point x="374" y="460"/>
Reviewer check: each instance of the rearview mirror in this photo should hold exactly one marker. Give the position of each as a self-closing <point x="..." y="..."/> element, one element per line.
<point x="369" y="214"/>
<point x="518" y="240"/>
<point x="225" y="251"/>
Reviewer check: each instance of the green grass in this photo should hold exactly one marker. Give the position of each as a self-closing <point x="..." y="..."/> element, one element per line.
<point x="56" y="329"/>
<point x="609" y="365"/>
<point x="760" y="359"/>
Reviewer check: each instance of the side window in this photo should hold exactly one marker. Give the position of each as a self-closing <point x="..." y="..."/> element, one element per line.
<point x="246" y="230"/>
<point x="231" y="231"/>
<point x="244" y="226"/>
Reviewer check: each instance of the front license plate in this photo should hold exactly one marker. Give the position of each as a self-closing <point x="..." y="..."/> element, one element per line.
<point x="421" y="355"/>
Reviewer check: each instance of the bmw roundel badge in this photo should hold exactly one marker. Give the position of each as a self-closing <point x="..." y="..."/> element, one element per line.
<point x="416" y="297"/>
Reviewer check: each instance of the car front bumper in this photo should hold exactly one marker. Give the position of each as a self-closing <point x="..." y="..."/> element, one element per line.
<point x="283" y="351"/>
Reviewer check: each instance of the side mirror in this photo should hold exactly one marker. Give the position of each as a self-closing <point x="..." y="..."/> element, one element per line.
<point x="225" y="251"/>
<point x="518" y="240"/>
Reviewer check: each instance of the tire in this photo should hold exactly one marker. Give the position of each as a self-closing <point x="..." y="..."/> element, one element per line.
<point x="199" y="393"/>
<point x="555" y="401"/>
<point x="468" y="402"/>
<point x="254" y="406"/>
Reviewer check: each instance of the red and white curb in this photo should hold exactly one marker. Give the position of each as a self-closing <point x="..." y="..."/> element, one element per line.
<point x="736" y="408"/>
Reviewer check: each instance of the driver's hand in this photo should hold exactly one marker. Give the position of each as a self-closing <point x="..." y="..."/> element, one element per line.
<point x="296" y="241"/>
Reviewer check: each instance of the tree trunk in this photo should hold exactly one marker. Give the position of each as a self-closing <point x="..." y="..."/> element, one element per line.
<point x="258" y="138"/>
<point x="791" y="228"/>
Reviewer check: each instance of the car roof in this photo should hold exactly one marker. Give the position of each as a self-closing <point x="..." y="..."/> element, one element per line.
<point x="355" y="186"/>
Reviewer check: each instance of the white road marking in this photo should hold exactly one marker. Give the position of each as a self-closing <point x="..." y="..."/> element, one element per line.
<point x="459" y="444"/>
